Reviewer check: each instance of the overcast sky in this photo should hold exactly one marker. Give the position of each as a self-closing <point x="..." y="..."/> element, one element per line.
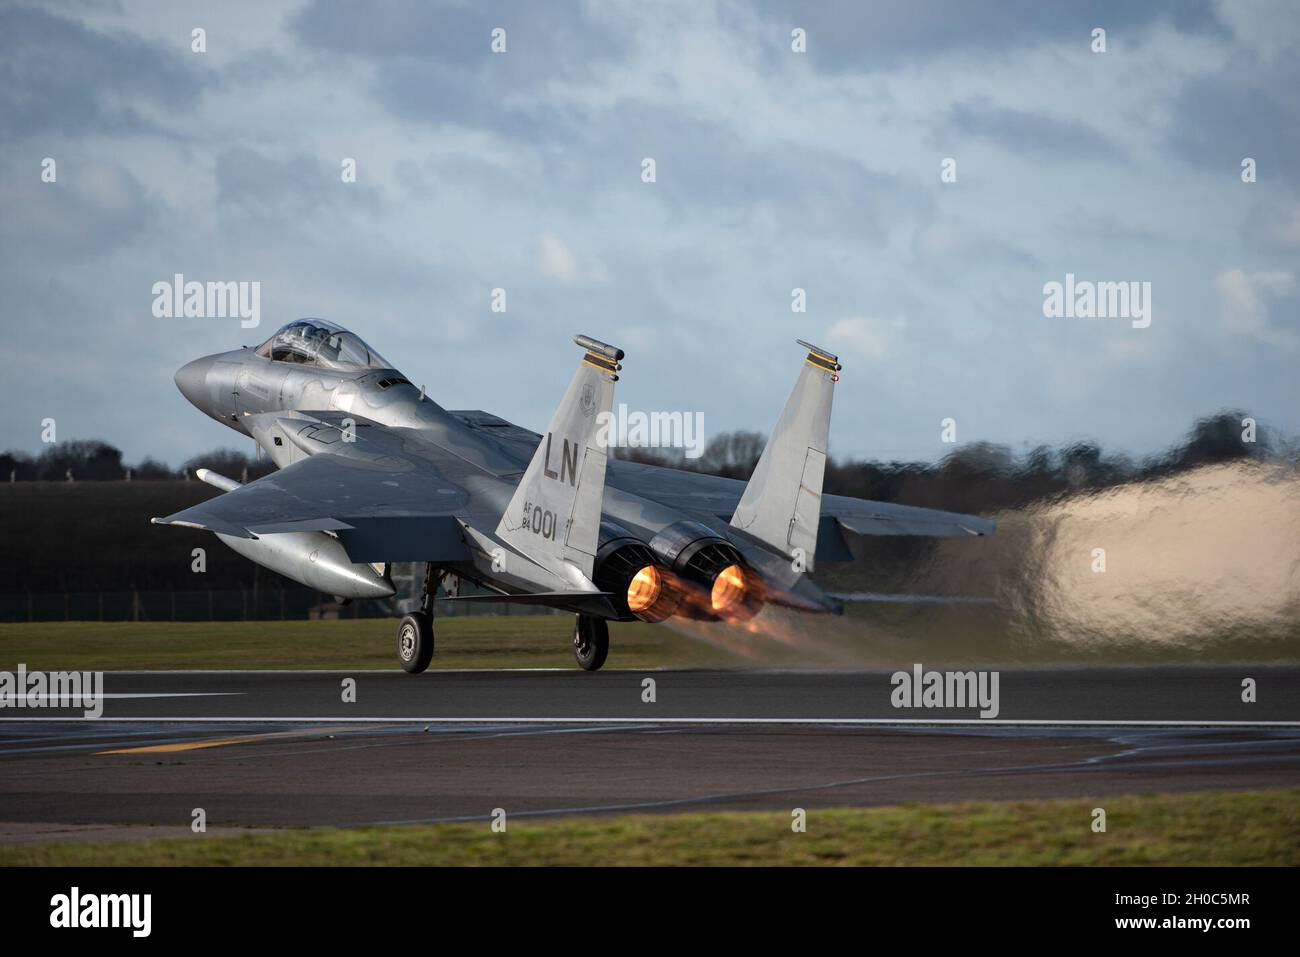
<point x="774" y="170"/>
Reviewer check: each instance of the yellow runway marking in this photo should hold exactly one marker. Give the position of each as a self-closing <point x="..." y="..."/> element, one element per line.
<point x="329" y="730"/>
<point x="181" y="746"/>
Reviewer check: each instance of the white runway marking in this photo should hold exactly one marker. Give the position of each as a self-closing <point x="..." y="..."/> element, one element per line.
<point x="883" y="722"/>
<point x="359" y="671"/>
<point x="45" y="698"/>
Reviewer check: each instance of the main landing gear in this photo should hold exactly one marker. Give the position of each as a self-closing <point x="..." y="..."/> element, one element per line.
<point x="415" y="631"/>
<point x="590" y="642"/>
<point x="415" y="641"/>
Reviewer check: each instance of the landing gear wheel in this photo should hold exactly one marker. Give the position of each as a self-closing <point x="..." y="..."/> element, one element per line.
<point x="415" y="641"/>
<point x="590" y="642"/>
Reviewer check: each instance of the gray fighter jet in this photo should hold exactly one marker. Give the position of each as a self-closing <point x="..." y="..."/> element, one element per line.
<point x="371" y="471"/>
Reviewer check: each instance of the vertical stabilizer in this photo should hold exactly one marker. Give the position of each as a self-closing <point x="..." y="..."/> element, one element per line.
<point x="781" y="505"/>
<point x="554" y="516"/>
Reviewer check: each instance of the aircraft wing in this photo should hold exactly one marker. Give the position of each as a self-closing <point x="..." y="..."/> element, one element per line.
<point x="385" y="502"/>
<point x="714" y="495"/>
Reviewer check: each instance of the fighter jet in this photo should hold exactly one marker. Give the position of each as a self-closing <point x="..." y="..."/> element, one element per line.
<point x="372" y="471"/>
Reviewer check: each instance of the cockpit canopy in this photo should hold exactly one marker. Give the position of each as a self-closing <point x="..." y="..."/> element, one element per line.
<point x="315" y="342"/>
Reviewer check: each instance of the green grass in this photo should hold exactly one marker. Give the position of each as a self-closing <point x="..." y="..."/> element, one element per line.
<point x="532" y="641"/>
<point x="1207" y="828"/>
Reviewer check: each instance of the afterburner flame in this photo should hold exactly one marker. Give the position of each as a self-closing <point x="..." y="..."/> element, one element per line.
<point x="728" y="589"/>
<point x="644" y="589"/>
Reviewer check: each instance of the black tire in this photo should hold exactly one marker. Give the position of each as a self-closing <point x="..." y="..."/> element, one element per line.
<point x="415" y="641"/>
<point x="590" y="642"/>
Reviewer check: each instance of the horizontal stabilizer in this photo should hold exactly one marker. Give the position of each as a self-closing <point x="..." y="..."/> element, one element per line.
<point x="885" y="518"/>
<point x="897" y="598"/>
<point x="716" y="495"/>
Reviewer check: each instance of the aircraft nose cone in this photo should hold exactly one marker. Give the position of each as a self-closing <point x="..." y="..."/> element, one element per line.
<point x="192" y="380"/>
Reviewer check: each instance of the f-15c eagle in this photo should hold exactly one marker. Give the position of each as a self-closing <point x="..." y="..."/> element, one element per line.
<point x="371" y="471"/>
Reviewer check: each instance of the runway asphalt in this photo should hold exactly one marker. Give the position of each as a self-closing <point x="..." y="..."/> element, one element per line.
<point x="1101" y="695"/>
<point x="456" y="745"/>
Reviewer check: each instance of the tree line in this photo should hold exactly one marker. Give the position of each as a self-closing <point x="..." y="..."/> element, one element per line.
<point x="985" y="476"/>
<point x="973" y="477"/>
<point x="92" y="460"/>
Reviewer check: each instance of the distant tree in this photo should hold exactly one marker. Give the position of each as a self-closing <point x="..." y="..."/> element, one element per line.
<point x="733" y="454"/>
<point x="151" y="469"/>
<point x="977" y="460"/>
<point x="87" y="459"/>
<point x="18" y="464"/>
<point x="1081" y="464"/>
<point x="646" y="455"/>
<point x="1216" y="438"/>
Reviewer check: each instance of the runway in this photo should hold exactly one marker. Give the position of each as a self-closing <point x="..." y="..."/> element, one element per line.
<point x="1137" y="695"/>
<point x="456" y="745"/>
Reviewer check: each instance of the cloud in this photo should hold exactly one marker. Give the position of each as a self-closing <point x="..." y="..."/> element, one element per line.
<point x="57" y="74"/>
<point x="90" y="209"/>
<point x="947" y="240"/>
<point x="556" y="260"/>
<point x="775" y="171"/>
<point x="291" y="190"/>
<point x="433" y="60"/>
<point x="1244" y="305"/>
<point x="1273" y="224"/>
<point x="1020" y="131"/>
<point x="1242" y="110"/>
<point x="541" y="39"/>
<point x="867" y="37"/>
<point x="1108" y="226"/>
<point x="865" y="338"/>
